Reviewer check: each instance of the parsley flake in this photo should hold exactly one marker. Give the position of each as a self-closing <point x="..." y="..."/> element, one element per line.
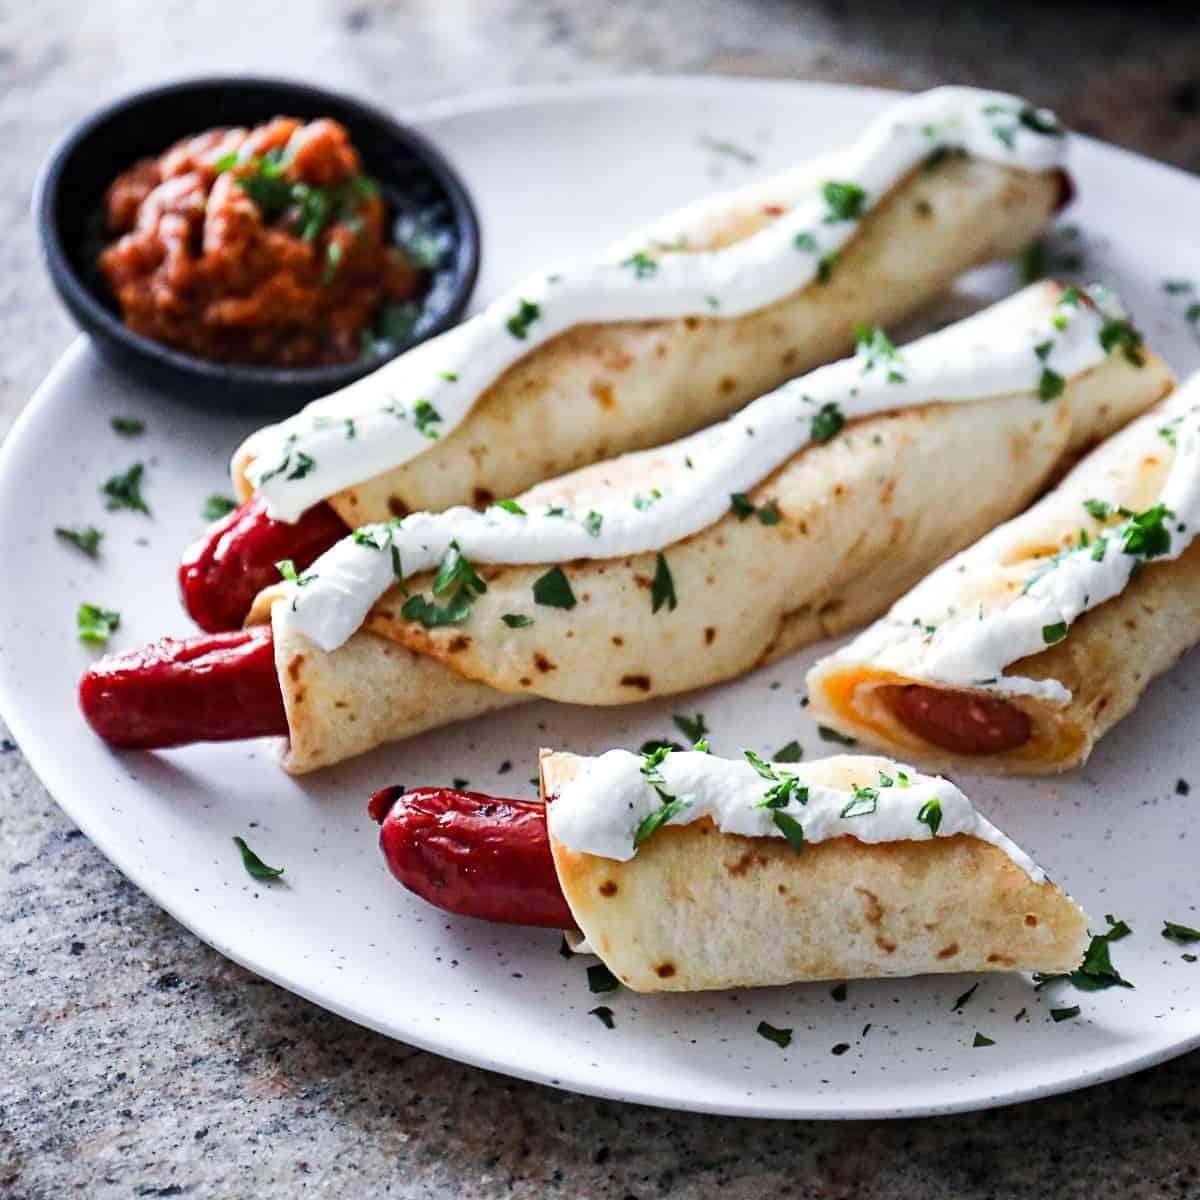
<point x="125" y="491"/>
<point x="516" y="620"/>
<point x="1182" y="934"/>
<point x="128" y="426"/>
<point x="844" y="200"/>
<point x="827" y="422"/>
<point x="662" y="588"/>
<point x="518" y="324"/>
<point x="781" y="1037"/>
<point x="217" y="506"/>
<point x="553" y="590"/>
<point x="86" y="539"/>
<point x="603" y="1014"/>
<point x="601" y="979"/>
<point x="930" y="813"/>
<point x="255" y="867"/>
<point x="96" y="625"/>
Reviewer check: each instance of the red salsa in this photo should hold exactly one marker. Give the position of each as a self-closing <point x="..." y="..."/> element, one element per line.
<point x="266" y="246"/>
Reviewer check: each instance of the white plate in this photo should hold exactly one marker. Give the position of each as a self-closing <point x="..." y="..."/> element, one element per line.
<point x="555" y="172"/>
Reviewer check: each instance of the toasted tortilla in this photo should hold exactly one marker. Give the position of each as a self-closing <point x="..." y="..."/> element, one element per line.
<point x="697" y="909"/>
<point x="598" y="391"/>
<point x="1110" y="654"/>
<point x="862" y="519"/>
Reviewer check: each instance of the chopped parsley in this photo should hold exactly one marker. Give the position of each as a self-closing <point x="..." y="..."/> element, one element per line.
<point x="805" y="242"/>
<point x="1051" y="634"/>
<point x="744" y="508"/>
<point x="1182" y="934"/>
<point x="1182" y="787"/>
<point x="601" y="979"/>
<point x="692" y="728"/>
<point x="825" y="265"/>
<point x="86" y="539"/>
<point x="603" y="1014"/>
<point x="553" y="590"/>
<point x="516" y="620"/>
<point x="784" y="785"/>
<point x="641" y="503"/>
<point x="1116" y="334"/>
<point x="425" y="416"/>
<point x="217" y="506"/>
<point x="838" y="992"/>
<point x="862" y="804"/>
<point x="255" y="867"/>
<point x="874" y="347"/>
<point x="518" y="324"/>
<point x="1096" y="973"/>
<point x="981" y="1039"/>
<point x="827" y="422"/>
<point x="845" y="201"/>
<point x="961" y="1002"/>
<point x="831" y="735"/>
<point x="1065" y="1014"/>
<point x="510" y="506"/>
<point x="1032" y="263"/>
<point x="653" y="822"/>
<point x="790" y="828"/>
<point x="642" y="265"/>
<point x="96" y="625"/>
<point x="840" y="1048"/>
<point x="1098" y="509"/>
<point x="128" y="426"/>
<point x="790" y="753"/>
<point x="1051" y="384"/>
<point x="662" y="588"/>
<point x="458" y="582"/>
<point x="295" y="464"/>
<point x="125" y="491"/>
<point x="593" y="522"/>
<point x="781" y="1037"/>
<point x="930" y="813"/>
<point x="1146" y="535"/>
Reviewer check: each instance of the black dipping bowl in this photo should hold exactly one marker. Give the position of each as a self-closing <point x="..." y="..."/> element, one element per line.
<point x="417" y="183"/>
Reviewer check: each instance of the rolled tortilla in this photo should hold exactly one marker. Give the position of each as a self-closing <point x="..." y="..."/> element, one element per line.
<point x="696" y="908"/>
<point x="862" y="518"/>
<point x="1079" y="686"/>
<point x="598" y="390"/>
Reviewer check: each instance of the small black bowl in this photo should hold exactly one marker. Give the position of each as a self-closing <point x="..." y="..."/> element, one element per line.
<point x="417" y="182"/>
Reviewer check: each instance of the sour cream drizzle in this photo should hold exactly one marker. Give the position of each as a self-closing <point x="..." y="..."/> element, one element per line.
<point x="600" y="811"/>
<point x="972" y="648"/>
<point x="391" y="416"/>
<point x="1006" y="349"/>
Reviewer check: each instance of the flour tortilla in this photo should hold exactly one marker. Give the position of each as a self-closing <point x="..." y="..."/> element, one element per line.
<point x="1110" y="654"/>
<point x="697" y="909"/>
<point x="598" y="391"/>
<point x="863" y="518"/>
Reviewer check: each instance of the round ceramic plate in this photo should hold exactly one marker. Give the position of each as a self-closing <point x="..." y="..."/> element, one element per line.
<point x="558" y="172"/>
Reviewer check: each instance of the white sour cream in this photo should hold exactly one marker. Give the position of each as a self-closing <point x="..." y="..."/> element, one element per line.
<point x="391" y="416"/>
<point x="972" y="648"/>
<point x="1003" y="350"/>
<point x="600" y="811"/>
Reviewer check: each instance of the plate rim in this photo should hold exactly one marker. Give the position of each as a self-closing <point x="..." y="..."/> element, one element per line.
<point x="447" y="1044"/>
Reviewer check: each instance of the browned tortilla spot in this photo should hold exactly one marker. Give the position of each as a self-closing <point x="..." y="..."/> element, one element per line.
<point x="397" y="507"/>
<point x="608" y="887"/>
<point x="481" y="497"/>
<point x="542" y="663"/>
<point x="459" y="643"/>
<point x="886" y="946"/>
<point x="602" y="393"/>
<point x="617" y="640"/>
<point x="665" y="970"/>
<point x="948" y="951"/>
<point x="874" y="908"/>
<point x="294" y="667"/>
<point x="641" y="682"/>
<point x="710" y="634"/>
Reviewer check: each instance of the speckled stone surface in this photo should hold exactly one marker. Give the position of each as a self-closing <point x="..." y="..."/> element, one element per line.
<point x="135" y="1061"/>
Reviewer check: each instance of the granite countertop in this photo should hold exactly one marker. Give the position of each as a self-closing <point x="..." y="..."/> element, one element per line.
<point x="136" y="1061"/>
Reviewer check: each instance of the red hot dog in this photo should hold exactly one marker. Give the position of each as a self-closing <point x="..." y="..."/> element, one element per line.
<point x="472" y="854"/>
<point x="962" y="722"/>
<point x="224" y="570"/>
<point x="213" y="688"/>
